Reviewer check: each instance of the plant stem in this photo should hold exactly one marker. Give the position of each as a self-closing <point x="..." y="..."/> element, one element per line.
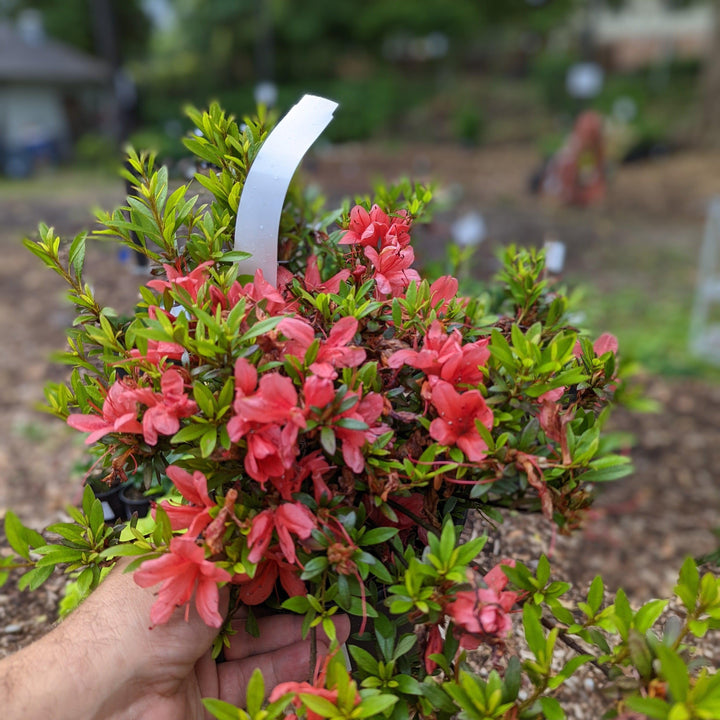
<point x="313" y="654"/>
<point x="415" y="518"/>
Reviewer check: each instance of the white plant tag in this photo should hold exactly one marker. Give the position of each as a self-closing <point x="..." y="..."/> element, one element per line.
<point x="263" y="196"/>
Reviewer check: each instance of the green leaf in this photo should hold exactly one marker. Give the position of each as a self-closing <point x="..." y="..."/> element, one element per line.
<point x="622" y="614"/>
<point x="533" y="631"/>
<point x="552" y="709"/>
<point x="297" y="604"/>
<point x="365" y="661"/>
<point x="378" y="535"/>
<point x="675" y="672"/>
<point x="404" y="646"/>
<point x="255" y="693"/>
<point x="543" y="571"/>
<point x="221" y="710"/>
<point x="595" y="594"/>
<point x="189" y="433"/>
<point x="512" y="680"/>
<point x="568" y="669"/>
<point x="314" y="567"/>
<point x="208" y="441"/>
<point x="21" y="538"/>
<point x="35" y="577"/>
<point x="260" y="328"/>
<point x="327" y="440"/>
<point x="374" y="705"/>
<point x="319" y="705"/>
<point x="76" y="254"/>
<point x="646" y="616"/>
<point x="688" y="584"/>
<point x="652" y="707"/>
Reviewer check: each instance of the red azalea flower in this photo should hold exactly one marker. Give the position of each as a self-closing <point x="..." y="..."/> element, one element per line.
<point x="366" y="228"/>
<point x="433" y="646"/>
<point x="304" y="688"/>
<point x="368" y="411"/>
<point x="483" y="612"/>
<point x="269" y="454"/>
<point x="314" y="466"/>
<point x="392" y="271"/>
<point x="182" y="571"/>
<point x="257" y="589"/>
<point x="260" y="289"/>
<point x="190" y="283"/>
<point x="463" y="368"/>
<point x="119" y="414"/>
<point x="456" y="424"/>
<point x="444" y="356"/>
<point x="274" y="402"/>
<point x="437" y="349"/>
<point x="165" y="409"/>
<point x="285" y="519"/>
<point x="332" y="353"/>
<point x="398" y="234"/>
<point x="158" y="351"/>
<point x="314" y="284"/>
<point x="443" y="290"/>
<point x="605" y="343"/>
<point x="194" y="517"/>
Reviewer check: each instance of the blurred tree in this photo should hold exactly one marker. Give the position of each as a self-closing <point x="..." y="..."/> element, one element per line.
<point x="243" y="40"/>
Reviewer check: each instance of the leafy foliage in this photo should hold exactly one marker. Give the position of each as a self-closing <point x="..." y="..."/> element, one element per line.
<point x="325" y="439"/>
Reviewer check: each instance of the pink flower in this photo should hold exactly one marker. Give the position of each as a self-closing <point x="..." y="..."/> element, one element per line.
<point x="335" y="352"/>
<point x="443" y="290"/>
<point x="285" y="519"/>
<point x="165" y="409"/>
<point x="157" y="351"/>
<point x="260" y="289"/>
<point x="190" y="283"/>
<point x="273" y="567"/>
<point x="433" y="646"/>
<point x="305" y="688"/>
<point x="268" y="454"/>
<point x="195" y="516"/>
<point x="314" y="284"/>
<point x="182" y="571"/>
<point x="366" y="228"/>
<point x="483" y="612"/>
<point x="275" y="401"/>
<point x="119" y="414"/>
<point x="605" y="343"/>
<point x="445" y="357"/>
<point x="368" y="411"/>
<point x="456" y="424"/>
<point x="392" y="271"/>
<point x="268" y="419"/>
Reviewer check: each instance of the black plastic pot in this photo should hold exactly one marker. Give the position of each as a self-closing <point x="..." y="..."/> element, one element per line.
<point x="112" y="504"/>
<point x="133" y="501"/>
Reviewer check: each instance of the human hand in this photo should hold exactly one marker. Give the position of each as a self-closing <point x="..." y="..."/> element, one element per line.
<point x="106" y="661"/>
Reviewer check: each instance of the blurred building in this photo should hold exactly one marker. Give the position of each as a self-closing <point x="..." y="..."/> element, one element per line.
<point x="641" y="32"/>
<point x="50" y="94"/>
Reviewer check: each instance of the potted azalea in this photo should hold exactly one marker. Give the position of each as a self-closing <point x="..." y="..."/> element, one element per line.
<point x="318" y="441"/>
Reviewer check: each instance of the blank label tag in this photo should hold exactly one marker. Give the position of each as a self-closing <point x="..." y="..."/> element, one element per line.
<point x="263" y="196"/>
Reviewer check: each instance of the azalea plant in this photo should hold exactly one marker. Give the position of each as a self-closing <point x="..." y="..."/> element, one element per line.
<point x="319" y="443"/>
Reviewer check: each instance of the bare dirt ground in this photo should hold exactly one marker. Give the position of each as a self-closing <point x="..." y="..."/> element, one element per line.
<point x="648" y="232"/>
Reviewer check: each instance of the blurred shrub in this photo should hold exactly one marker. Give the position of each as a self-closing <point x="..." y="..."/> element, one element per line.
<point x="469" y="124"/>
<point x="96" y="150"/>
